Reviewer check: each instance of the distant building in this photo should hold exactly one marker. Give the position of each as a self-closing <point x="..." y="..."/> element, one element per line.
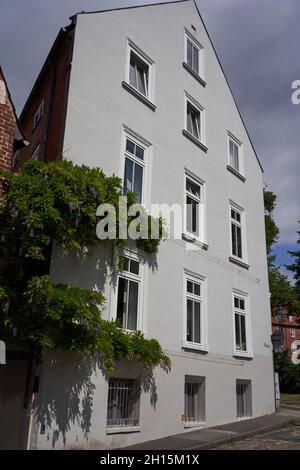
<point x="141" y="93"/>
<point x="291" y="332"/>
<point x="11" y="136"/>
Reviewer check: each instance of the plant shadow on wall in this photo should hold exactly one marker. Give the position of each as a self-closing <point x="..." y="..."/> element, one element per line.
<point x="72" y="407"/>
<point x="55" y="204"/>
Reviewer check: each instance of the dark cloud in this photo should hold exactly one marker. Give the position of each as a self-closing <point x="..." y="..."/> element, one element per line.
<point x="257" y="42"/>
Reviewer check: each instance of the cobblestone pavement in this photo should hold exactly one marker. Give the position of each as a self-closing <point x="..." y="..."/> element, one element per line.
<point x="283" y="439"/>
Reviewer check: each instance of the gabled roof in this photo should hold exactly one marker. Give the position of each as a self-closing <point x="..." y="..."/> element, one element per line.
<point x="210" y="40"/>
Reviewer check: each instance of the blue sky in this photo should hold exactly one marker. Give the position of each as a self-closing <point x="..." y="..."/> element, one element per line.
<point x="258" y="44"/>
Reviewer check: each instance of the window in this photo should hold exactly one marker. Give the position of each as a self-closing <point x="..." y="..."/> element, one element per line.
<point x="243" y="398"/>
<point x="237" y="232"/>
<point x="235" y="157"/>
<point x="134" y="167"/>
<point x="293" y="332"/>
<point x="129" y="281"/>
<point x="192" y="54"/>
<point x="242" y="337"/>
<point x="193" y="57"/>
<point x="194" y="399"/>
<point x="123" y="406"/>
<point x="38" y="115"/>
<point x="139" y="74"/>
<point x="15" y="159"/>
<point x="193" y="125"/>
<point x="36" y="153"/>
<point x="291" y="318"/>
<point x="195" y="321"/>
<point x="194" y="211"/>
<point x="194" y="122"/>
<point x="240" y="324"/>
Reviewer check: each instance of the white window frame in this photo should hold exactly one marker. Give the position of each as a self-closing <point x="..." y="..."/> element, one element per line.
<point x="246" y="313"/>
<point x="133" y="48"/>
<point x="239" y="145"/>
<point x="201" y="397"/>
<point x="146" y="163"/>
<point x="189" y="100"/>
<point x="38" y="115"/>
<point x="196" y="44"/>
<point x="201" y="212"/>
<point x="36" y="153"/>
<point x="198" y="279"/>
<point x="242" y="225"/>
<point x="140" y="321"/>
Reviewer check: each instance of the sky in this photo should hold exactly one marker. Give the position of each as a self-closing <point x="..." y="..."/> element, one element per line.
<point x="258" y="44"/>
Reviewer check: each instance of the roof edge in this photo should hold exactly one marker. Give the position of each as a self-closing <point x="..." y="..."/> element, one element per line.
<point x="130" y="7"/>
<point x="235" y="102"/>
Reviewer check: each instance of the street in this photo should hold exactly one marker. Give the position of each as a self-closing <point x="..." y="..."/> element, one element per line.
<point x="286" y="438"/>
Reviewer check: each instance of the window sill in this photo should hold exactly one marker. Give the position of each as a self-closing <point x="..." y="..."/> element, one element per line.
<point x="194" y="74"/>
<point x="194" y="140"/>
<point x="195" y="347"/>
<point x="238" y="262"/>
<point x="194" y="424"/>
<point x="138" y="95"/>
<point x="236" y="173"/>
<point x="243" y="355"/>
<point x="122" y="429"/>
<point x="190" y="238"/>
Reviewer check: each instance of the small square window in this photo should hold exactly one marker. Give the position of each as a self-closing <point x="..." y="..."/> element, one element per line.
<point x="139" y="75"/>
<point x="235" y="156"/>
<point x="193" y="124"/>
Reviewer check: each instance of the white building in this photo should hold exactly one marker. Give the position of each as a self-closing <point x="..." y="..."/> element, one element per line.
<point x="148" y="100"/>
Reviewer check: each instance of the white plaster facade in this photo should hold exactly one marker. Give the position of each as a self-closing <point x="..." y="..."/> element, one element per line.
<point x="98" y="109"/>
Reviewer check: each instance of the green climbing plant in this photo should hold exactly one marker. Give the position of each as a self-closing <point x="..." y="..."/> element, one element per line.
<point x="57" y="202"/>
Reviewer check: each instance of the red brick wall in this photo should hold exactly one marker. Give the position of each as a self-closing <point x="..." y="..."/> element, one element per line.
<point x="7" y="127"/>
<point x="52" y="87"/>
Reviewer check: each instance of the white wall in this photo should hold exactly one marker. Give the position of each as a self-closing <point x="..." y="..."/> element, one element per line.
<point x="98" y="108"/>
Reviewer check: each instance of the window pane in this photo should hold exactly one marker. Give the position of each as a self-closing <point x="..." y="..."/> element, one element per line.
<point x="139" y="152"/>
<point x="195" y="125"/>
<point x="195" y="218"/>
<point x="239" y="242"/>
<point x="195" y="59"/>
<point x="189" y="121"/>
<point x="236" y="302"/>
<point x="189" y="320"/>
<point x="132" y="305"/>
<point x="142" y="77"/>
<point x="233" y="239"/>
<point x="190" y="286"/>
<point x="122" y="301"/>
<point x="192" y="216"/>
<point x="237" y="332"/>
<point x="132" y="72"/>
<point x="138" y="182"/>
<point x="196" y="289"/>
<point x="134" y="267"/>
<point x="238" y="217"/>
<point x="242" y="304"/>
<point x="130" y="146"/>
<point x="243" y="333"/>
<point x="236" y="158"/>
<point x="232" y="214"/>
<point x="128" y="175"/>
<point x="126" y="264"/>
<point x="189" y="54"/>
<point x="193" y="188"/>
<point x="197" y="335"/>
<point x="123" y="401"/>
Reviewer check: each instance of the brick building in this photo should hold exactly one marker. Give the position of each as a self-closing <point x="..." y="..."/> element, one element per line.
<point x="11" y="137"/>
<point x="291" y="331"/>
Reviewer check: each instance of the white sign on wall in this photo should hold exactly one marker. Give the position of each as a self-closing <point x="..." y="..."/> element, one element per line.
<point x="2" y="352"/>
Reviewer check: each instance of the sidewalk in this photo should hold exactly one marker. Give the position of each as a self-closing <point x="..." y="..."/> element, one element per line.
<point x="218" y="435"/>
